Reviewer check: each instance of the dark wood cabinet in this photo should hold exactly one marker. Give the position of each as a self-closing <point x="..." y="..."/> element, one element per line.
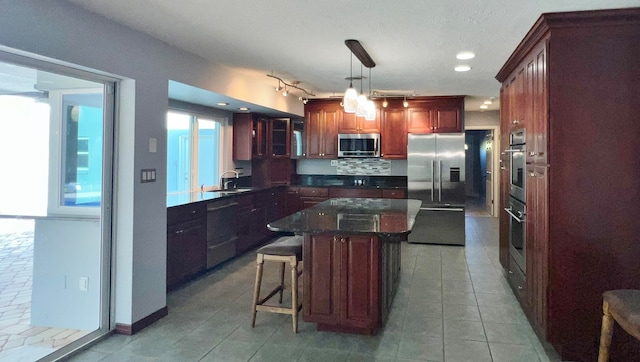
<point x="537" y="226"/>
<point x="251" y="222"/>
<point x="569" y="85"/>
<point x="292" y="200"/>
<point x="258" y="137"/>
<point x="394" y="133"/>
<point x="420" y="120"/>
<point x="322" y="119"/>
<point x="394" y="193"/>
<point x="279" y="140"/>
<point x="351" y="123"/>
<point x="186" y="243"/>
<point x="436" y="115"/>
<point x="354" y="192"/>
<point x="447" y="118"/>
<point x="342" y="280"/>
<point x="310" y="196"/>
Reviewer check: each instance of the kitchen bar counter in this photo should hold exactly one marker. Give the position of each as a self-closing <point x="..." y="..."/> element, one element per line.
<point x="351" y="256"/>
<point x="353" y="216"/>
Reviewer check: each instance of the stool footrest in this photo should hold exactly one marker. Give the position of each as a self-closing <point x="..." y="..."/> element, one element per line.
<point x="274" y="309"/>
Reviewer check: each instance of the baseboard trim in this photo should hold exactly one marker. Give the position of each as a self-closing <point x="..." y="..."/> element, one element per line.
<point x="131" y="329"/>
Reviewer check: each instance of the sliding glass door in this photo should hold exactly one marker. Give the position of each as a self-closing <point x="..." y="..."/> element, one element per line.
<point x="56" y="147"/>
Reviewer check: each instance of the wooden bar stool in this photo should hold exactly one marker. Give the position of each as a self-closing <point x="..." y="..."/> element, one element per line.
<point x="622" y="306"/>
<point x="285" y="250"/>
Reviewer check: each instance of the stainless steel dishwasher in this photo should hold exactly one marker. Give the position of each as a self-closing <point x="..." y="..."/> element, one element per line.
<point x="221" y="231"/>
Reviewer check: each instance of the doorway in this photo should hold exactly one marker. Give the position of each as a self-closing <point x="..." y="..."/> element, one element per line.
<point x="480" y="186"/>
<point x="56" y="132"/>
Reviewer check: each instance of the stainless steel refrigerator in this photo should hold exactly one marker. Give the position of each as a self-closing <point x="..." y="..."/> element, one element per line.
<point x="435" y="175"/>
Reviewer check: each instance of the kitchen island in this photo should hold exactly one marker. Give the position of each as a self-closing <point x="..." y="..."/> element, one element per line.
<point x="351" y="256"/>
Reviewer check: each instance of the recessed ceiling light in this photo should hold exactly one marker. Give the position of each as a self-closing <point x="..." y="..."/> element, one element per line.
<point x="488" y="102"/>
<point x="243" y="108"/>
<point x="465" y="55"/>
<point x="222" y="104"/>
<point x="484" y="106"/>
<point x="462" y="68"/>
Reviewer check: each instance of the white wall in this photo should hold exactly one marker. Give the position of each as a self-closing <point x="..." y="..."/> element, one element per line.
<point x="69" y="35"/>
<point x="481" y="119"/>
<point x="64" y="250"/>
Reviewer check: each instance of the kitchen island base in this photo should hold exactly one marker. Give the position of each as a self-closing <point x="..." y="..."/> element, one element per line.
<point x="350" y="280"/>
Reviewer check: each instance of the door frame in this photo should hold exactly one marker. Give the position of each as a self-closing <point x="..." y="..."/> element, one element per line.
<point x="495" y="159"/>
<point x="108" y="225"/>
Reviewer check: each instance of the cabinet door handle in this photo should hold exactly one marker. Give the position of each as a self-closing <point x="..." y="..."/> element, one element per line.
<point x="532" y="154"/>
<point x="515" y="121"/>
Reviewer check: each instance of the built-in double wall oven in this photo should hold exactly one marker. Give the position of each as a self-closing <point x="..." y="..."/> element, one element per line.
<point x="517" y="200"/>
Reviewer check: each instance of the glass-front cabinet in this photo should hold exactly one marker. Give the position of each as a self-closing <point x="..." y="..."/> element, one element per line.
<point x="280" y="138"/>
<point x="297" y="138"/>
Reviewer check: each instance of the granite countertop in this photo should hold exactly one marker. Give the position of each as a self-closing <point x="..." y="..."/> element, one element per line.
<point x="184" y="198"/>
<point x="352" y="216"/>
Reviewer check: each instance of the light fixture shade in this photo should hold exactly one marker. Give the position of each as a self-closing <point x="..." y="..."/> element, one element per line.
<point x="361" y="109"/>
<point x="370" y="114"/>
<point x="350" y="100"/>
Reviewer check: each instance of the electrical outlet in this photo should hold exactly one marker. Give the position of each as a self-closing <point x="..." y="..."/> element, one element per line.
<point x="83" y="284"/>
<point x="334" y="162"/>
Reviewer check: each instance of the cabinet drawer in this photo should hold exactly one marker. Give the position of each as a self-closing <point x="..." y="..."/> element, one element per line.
<point x="357" y="193"/>
<point x="314" y="192"/>
<point x="184" y="213"/>
<point x="394" y="194"/>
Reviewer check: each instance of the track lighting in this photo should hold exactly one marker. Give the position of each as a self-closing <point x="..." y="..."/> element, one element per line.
<point x="405" y="104"/>
<point x="385" y="104"/>
<point x="293" y="84"/>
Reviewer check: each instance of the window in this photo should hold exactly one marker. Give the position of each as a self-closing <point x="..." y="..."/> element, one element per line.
<point x="82" y="149"/>
<point x="193" y="151"/>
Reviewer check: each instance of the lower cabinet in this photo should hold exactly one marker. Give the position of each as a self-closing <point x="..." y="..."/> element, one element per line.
<point x="251" y="223"/>
<point x="310" y="196"/>
<point x="342" y="282"/>
<point x="186" y="251"/>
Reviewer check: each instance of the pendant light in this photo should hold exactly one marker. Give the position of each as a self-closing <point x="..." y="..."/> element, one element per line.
<point x="370" y="109"/>
<point x="350" y="100"/>
<point x="361" y="108"/>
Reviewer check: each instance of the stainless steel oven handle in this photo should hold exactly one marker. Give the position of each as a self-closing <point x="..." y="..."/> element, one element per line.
<point x="519" y="220"/>
<point x="515" y="150"/>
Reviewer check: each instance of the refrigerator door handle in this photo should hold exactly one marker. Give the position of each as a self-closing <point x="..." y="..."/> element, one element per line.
<point x="440" y="182"/>
<point x="433" y="177"/>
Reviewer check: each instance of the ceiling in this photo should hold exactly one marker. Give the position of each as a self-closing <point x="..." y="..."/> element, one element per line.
<point x="414" y="42"/>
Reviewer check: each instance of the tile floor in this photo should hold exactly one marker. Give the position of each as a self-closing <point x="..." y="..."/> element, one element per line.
<point x="19" y="340"/>
<point x="453" y="304"/>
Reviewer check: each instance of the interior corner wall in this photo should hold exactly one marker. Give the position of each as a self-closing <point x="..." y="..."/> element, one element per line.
<point x="481" y="119"/>
<point x="61" y="32"/>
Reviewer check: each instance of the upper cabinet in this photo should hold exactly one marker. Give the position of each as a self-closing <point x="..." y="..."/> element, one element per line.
<point x="322" y="129"/>
<point x="257" y="137"/>
<point x="353" y="124"/>
<point x="394" y="133"/>
<point x="435" y="115"/>
<point x="280" y="137"/>
<point x="298" y="140"/>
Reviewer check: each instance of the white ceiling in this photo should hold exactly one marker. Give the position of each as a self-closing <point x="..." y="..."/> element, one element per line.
<point x="413" y="42"/>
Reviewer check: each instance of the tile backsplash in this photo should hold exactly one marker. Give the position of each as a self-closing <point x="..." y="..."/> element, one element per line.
<point x="364" y="166"/>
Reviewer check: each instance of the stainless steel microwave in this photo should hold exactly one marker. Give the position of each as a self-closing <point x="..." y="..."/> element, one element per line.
<point x="359" y="145"/>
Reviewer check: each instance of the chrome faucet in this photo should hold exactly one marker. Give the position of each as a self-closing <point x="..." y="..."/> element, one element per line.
<point x="225" y="185"/>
